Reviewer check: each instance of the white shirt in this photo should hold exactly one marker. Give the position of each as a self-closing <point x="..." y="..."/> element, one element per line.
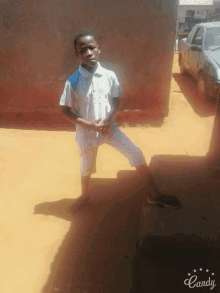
<point x="89" y="95"/>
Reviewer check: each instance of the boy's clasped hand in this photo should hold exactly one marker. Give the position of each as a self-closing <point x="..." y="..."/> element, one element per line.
<point x="103" y="128"/>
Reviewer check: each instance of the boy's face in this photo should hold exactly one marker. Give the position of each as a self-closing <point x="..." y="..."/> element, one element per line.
<point x="87" y="51"/>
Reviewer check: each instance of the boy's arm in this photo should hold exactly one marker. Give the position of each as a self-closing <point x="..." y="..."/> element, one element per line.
<point x="73" y="118"/>
<point x="67" y="102"/>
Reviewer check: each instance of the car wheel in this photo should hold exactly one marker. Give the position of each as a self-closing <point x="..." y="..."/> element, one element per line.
<point x="183" y="70"/>
<point x="202" y="87"/>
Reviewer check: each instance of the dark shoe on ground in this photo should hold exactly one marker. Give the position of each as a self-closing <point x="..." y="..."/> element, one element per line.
<point x="80" y="203"/>
<point x="165" y="201"/>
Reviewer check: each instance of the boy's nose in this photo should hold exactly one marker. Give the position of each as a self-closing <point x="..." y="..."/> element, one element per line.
<point x="88" y="52"/>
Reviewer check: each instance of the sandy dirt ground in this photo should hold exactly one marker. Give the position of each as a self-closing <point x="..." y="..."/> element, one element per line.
<point x="53" y="251"/>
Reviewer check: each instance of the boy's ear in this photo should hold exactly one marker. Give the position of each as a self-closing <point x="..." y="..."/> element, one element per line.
<point x="99" y="49"/>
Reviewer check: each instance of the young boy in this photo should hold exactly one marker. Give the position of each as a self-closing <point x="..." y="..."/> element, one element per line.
<point x="90" y="100"/>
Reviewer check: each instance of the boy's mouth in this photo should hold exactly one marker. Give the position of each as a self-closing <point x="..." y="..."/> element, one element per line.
<point x="92" y="59"/>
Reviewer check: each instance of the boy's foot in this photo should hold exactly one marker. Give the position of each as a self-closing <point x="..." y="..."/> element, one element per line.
<point x="165" y="201"/>
<point x="81" y="202"/>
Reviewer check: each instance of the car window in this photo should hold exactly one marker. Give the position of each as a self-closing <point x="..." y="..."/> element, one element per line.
<point x="212" y="39"/>
<point x="198" y="39"/>
<point x="190" y="36"/>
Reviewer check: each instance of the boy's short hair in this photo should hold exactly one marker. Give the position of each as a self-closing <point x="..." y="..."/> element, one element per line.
<point x="80" y="35"/>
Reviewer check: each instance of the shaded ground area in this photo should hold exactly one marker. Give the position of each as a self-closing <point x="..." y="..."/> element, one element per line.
<point x="188" y="87"/>
<point x="101" y="252"/>
<point x="165" y="263"/>
<point x="175" y="243"/>
<point x="98" y="250"/>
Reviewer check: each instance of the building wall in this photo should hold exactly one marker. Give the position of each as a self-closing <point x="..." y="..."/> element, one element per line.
<point x="189" y="15"/>
<point x="136" y="39"/>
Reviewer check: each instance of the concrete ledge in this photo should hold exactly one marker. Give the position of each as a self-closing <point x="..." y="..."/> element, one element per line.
<point x="189" y="179"/>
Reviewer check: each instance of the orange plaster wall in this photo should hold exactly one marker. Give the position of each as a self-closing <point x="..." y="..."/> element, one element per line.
<point x="136" y="39"/>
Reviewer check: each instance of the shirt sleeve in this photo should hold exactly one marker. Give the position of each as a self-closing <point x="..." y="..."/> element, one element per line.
<point x="116" y="89"/>
<point x="67" y="96"/>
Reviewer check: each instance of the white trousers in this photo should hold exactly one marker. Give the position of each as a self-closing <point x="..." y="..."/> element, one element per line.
<point x="117" y="140"/>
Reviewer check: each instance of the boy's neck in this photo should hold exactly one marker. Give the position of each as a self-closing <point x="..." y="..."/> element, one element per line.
<point x="90" y="69"/>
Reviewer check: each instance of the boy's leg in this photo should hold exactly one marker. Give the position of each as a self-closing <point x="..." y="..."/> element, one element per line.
<point x="123" y="144"/>
<point x="85" y="184"/>
<point x="153" y="195"/>
<point x="135" y="157"/>
<point x="88" y="167"/>
<point x="148" y="181"/>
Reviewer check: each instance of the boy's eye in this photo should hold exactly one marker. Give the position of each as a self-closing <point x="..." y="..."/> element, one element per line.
<point x="82" y="51"/>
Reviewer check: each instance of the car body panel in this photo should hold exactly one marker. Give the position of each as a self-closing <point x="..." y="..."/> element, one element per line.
<point x="206" y="61"/>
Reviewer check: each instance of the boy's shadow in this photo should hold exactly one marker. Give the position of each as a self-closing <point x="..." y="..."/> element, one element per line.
<point x="97" y="252"/>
